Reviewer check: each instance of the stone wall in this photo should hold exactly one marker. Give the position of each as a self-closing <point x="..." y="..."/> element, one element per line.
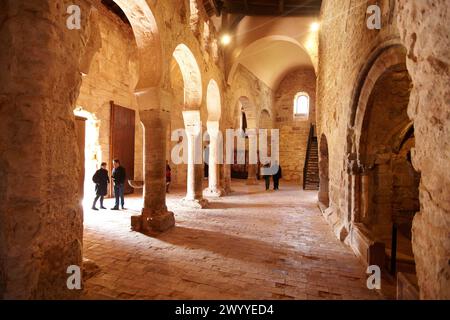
<point x="258" y="107"/>
<point x="294" y="132"/>
<point x="246" y="84"/>
<point x="425" y="31"/>
<point x="112" y="76"/>
<point x="347" y="52"/>
<point x="344" y="49"/>
<point x="40" y="214"/>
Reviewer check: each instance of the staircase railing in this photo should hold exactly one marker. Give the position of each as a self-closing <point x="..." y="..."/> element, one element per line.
<point x="305" y="168"/>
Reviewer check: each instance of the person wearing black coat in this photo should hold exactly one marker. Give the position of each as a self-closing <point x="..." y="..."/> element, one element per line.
<point x="101" y="180"/>
<point x="277" y="176"/>
<point x="266" y="173"/>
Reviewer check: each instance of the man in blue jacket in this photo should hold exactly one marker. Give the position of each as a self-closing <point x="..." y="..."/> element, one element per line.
<point x="118" y="176"/>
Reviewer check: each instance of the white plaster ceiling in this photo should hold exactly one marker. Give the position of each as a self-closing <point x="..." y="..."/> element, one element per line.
<point x="272" y="47"/>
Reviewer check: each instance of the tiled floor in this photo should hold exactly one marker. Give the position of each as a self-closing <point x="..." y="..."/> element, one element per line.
<point x="249" y="245"/>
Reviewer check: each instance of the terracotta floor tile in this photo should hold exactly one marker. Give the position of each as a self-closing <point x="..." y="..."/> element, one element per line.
<point x="248" y="245"/>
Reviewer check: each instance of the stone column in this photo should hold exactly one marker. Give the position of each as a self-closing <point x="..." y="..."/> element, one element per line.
<point x="227" y="178"/>
<point x="213" y="190"/>
<point x="194" y="188"/>
<point x="155" y="215"/>
<point x="41" y="218"/>
<point x="424" y="28"/>
<point x="252" y="156"/>
<point x="252" y="170"/>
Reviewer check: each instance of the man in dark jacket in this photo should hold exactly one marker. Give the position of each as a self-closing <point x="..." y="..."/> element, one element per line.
<point x="101" y="180"/>
<point x="276" y="176"/>
<point x="266" y="173"/>
<point x="118" y="176"/>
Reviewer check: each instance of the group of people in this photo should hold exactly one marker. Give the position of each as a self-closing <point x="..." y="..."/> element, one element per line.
<point x="274" y="172"/>
<point x="101" y="180"/>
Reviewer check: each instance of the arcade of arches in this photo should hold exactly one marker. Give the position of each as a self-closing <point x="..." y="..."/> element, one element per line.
<point x="365" y="155"/>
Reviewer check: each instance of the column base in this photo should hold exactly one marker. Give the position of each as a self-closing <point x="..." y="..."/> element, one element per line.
<point x="213" y="193"/>
<point x="194" y="203"/>
<point x="153" y="220"/>
<point x="252" y="182"/>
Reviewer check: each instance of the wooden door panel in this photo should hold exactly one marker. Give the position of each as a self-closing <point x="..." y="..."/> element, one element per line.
<point x="123" y="122"/>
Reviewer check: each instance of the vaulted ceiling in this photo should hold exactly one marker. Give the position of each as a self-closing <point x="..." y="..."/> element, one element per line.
<point x="264" y="7"/>
<point x="270" y="38"/>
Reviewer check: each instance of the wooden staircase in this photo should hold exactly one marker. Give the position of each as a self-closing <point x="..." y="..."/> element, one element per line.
<point x="311" y="169"/>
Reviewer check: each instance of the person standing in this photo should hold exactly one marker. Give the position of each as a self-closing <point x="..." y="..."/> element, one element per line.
<point x="168" y="176"/>
<point x="277" y="176"/>
<point x="101" y="180"/>
<point x="266" y="174"/>
<point x="118" y="176"/>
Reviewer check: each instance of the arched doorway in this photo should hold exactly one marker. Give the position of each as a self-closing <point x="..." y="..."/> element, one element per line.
<point x="192" y="99"/>
<point x="387" y="194"/>
<point x="215" y="147"/>
<point x="245" y="122"/>
<point x="324" y="179"/>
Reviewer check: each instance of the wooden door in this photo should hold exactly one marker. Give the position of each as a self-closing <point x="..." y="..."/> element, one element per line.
<point x="81" y="141"/>
<point x="123" y="121"/>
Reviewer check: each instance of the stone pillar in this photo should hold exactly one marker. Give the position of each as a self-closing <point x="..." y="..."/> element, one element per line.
<point x="41" y="217"/>
<point x="155" y="215"/>
<point x="194" y="189"/>
<point x="252" y="171"/>
<point x="214" y="190"/>
<point x="227" y="179"/>
<point x="424" y="28"/>
<point x="252" y="157"/>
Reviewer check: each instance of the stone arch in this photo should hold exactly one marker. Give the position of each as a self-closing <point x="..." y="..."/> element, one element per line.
<point x="388" y="60"/>
<point x="191" y="76"/>
<point x="214" y="150"/>
<point x="148" y="41"/>
<point x="246" y="106"/>
<point x="213" y="101"/>
<point x="265" y="119"/>
<point x="324" y="181"/>
<point x="380" y="145"/>
<point x="266" y="43"/>
<point x="391" y="53"/>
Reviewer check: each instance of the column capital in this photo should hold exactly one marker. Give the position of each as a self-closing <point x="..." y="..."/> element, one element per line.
<point x="192" y="122"/>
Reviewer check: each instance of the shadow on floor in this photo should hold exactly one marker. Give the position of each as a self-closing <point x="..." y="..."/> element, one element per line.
<point x="244" y="249"/>
<point x="231" y="205"/>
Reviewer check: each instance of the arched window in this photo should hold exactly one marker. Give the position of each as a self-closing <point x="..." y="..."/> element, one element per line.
<point x="301" y="105"/>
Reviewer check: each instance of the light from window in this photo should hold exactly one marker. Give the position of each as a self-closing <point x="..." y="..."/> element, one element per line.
<point x="301" y="104"/>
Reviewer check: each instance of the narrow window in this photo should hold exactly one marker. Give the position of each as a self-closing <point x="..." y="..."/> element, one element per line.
<point x="301" y="105"/>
